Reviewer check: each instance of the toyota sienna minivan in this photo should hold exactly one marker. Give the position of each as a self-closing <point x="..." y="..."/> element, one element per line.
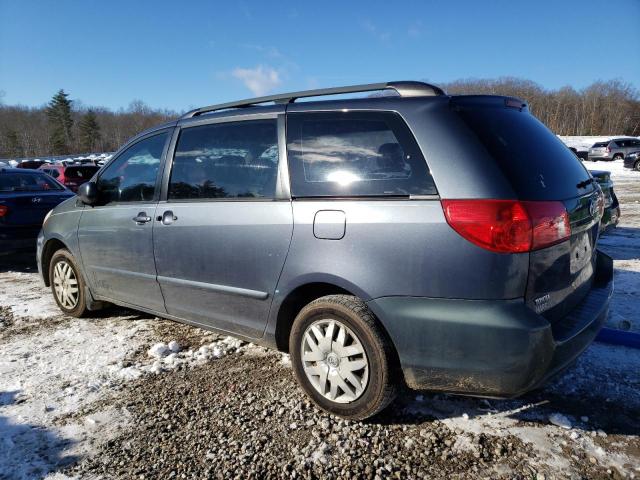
<point x="446" y="243"/>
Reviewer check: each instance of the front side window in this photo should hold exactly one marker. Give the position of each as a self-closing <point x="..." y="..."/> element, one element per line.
<point x="226" y="160"/>
<point x="132" y="176"/>
<point x="354" y="154"/>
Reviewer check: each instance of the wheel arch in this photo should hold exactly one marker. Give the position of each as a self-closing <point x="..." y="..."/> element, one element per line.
<point x="305" y="292"/>
<point x="50" y="247"/>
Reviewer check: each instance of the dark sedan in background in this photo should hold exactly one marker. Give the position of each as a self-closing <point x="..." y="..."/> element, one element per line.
<point x="26" y="196"/>
<point x="633" y="161"/>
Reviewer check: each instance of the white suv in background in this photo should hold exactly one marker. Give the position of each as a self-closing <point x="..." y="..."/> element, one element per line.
<point x="614" y="149"/>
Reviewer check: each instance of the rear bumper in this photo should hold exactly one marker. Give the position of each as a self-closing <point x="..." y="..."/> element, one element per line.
<point x="596" y="158"/>
<point x="496" y="348"/>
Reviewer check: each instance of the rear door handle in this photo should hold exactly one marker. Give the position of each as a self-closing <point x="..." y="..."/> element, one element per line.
<point x="141" y="218"/>
<point x="167" y="218"/>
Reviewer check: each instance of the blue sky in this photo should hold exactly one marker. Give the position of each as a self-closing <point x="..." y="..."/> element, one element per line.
<point x="182" y="54"/>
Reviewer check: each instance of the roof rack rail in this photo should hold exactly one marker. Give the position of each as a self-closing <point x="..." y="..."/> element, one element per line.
<point x="403" y="88"/>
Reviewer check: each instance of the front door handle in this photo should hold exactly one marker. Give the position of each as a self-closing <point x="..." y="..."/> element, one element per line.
<point x="141" y="218"/>
<point x="167" y="218"/>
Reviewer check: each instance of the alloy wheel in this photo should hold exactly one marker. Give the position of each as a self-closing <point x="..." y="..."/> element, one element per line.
<point x="65" y="285"/>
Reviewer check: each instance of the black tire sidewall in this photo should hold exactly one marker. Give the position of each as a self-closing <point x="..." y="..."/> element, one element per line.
<point x="636" y="166"/>
<point x="379" y="368"/>
<point x="80" y="308"/>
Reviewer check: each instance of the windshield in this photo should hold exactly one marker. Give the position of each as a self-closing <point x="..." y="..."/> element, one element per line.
<point x="27" y="182"/>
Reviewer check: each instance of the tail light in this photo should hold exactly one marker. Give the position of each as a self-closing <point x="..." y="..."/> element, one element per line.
<point x="3" y="210"/>
<point x="608" y="149"/>
<point x="508" y="226"/>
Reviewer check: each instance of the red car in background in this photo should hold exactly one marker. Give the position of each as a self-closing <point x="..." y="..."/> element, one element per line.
<point x="71" y="176"/>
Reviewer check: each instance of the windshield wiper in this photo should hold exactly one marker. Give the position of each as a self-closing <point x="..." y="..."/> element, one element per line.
<point x="586" y="183"/>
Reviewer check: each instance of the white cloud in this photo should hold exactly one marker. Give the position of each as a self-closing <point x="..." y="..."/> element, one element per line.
<point x="372" y="28"/>
<point x="260" y="80"/>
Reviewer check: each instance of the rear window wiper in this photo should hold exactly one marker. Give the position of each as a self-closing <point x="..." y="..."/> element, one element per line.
<point x="586" y="183"/>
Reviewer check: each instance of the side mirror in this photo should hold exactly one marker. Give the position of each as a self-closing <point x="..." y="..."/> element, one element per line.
<point x="88" y="193"/>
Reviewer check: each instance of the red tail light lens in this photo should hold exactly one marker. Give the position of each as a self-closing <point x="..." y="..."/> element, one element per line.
<point x="3" y="210"/>
<point x="508" y="226"/>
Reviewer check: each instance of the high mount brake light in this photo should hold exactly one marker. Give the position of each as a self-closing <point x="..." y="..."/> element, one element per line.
<point x="508" y="226"/>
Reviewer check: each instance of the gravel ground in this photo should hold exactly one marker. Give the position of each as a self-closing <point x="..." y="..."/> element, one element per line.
<point x="243" y="416"/>
<point x="106" y="397"/>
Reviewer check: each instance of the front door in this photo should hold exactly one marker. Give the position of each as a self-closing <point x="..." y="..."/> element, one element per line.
<point x="115" y="237"/>
<point x="222" y="235"/>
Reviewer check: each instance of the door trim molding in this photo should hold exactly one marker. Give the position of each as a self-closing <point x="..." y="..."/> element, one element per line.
<point x="119" y="271"/>
<point x="243" y="292"/>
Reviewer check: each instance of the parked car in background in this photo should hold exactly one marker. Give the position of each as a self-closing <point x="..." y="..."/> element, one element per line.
<point x="448" y="243"/>
<point x="632" y="160"/>
<point x="79" y="161"/>
<point x="581" y="154"/>
<point x="26" y="196"/>
<point x="611" y="215"/>
<point x="614" y="149"/>
<point x="32" y="164"/>
<point x="71" y="175"/>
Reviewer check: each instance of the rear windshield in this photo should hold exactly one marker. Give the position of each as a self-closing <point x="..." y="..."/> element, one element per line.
<point x="600" y="144"/>
<point x="536" y="163"/>
<point x="85" y="172"/>
<point x="26" y="182"/>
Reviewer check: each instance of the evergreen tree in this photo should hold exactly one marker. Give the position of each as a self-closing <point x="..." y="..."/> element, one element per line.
<point x="89" y="132"/>
<point x="12" y="145"/>
<point x="60" y="123"/>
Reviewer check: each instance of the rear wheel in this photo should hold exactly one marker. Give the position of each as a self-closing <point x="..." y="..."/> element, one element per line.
<point x="637" y="166"/>
<point x="618" y="156"/>
<point x="67" y="284"/>
<point x="342" y="358"/>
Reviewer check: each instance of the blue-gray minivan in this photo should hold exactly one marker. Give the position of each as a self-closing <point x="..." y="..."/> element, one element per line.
<point x="446" y="243"/>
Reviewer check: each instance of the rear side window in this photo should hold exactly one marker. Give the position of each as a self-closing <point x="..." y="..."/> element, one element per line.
<point x="27" y="182"/>
<point x="536" y="163"/>
<point x="600" y="144"/>
<point x="354" y="154"/>
<point x="226" y="160"/>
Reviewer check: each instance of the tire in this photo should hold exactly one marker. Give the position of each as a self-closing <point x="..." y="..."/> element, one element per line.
<point x="355" y="338"/>
<point x="63" y="271"/>
<point x="617" y="156"/>
<point x="636" y="166"/>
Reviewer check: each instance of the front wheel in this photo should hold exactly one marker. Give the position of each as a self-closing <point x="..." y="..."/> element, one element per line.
<point x="637" y="166"/>
<point x="67" y="284"/>
<point x="342" y="358"/>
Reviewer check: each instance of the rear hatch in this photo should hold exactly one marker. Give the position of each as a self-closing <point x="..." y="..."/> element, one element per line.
<point x="77" y="175"/>
<point x="599" y="148"/>
<point x="540" y="168"/>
